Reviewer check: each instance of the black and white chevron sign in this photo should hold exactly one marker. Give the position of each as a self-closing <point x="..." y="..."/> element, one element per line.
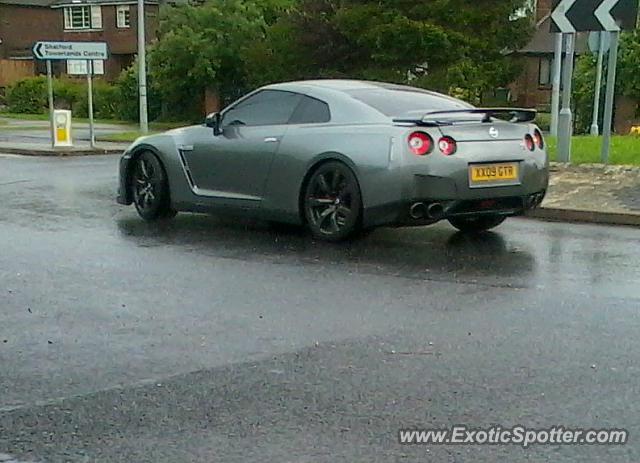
<point x="594" y="15"/>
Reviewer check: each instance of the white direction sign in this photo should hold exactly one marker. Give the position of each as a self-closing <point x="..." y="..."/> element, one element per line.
<point x="70" y="50"/>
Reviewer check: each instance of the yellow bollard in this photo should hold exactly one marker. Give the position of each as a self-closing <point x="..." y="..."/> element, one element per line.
<point x="62" y="128"/>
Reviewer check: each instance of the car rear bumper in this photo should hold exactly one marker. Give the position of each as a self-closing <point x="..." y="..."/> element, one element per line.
<point x="427" y="211"/>
<point x="427" y="198"/>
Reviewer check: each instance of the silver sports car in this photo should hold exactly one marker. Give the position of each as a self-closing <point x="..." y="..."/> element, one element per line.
<point x="341" y="156"/>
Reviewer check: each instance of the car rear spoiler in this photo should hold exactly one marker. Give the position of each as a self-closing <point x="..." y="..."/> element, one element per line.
<point x="448" y="117"/>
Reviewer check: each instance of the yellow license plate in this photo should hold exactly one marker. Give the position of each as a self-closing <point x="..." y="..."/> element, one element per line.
<point x="487" y="173"/>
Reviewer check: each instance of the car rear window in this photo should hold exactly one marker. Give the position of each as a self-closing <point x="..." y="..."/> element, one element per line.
<point x="402" y="101"/>
<point x="311" y="111"/>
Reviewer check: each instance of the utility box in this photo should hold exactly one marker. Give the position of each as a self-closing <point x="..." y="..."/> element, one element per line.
<point x="62" y="128"/>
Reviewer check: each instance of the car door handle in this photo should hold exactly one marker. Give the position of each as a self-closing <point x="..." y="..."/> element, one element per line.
<point x="271" y="140"/>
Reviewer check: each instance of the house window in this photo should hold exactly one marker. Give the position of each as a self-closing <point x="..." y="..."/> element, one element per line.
<point x="83" y="17"/>
<point x="544" y="72"/>
<point x="79" y="67"/>
<point x="123" y="19"/>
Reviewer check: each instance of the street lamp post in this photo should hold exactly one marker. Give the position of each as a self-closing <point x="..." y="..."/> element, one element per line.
<point x="142" y="70"/>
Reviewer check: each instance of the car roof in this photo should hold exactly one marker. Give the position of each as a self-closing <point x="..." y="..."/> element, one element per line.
<point x="339" y="93"/>
<point x="346" y="85"/>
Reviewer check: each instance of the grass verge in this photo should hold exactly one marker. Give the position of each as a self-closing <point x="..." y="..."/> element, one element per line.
<point x="625" y="150"/>
<point x="122" y="137"/>
<point x="45" y="117"/>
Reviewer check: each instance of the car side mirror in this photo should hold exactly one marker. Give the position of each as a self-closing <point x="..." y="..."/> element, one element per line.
<point x="214" y="121"/>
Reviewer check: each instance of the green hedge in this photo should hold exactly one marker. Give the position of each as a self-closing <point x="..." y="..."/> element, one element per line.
<point x="29" y="96"/>
<point x="544" y="121"/>
<point x="105" y="101"/>
<point x="127" y="84"/>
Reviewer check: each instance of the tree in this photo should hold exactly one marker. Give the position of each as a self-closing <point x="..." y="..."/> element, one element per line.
<point x="460" y="44"/>
<point x="584" y="84"/>
<point x="230" y="46"/>
<point x="204" y="47"/>
<point x="629" y="57"/>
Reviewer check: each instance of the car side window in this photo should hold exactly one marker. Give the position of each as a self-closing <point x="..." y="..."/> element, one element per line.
<point x="268" y="107"/>
<point x="311" y="111"/>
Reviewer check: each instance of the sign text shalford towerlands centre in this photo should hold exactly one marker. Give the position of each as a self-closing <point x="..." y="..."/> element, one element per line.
<point x="70" y="50"/>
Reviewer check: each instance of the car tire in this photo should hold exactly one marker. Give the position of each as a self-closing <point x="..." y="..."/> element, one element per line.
<point x="333" y="202"/>
<point x="150" y="188"/>
<point x="477" y="224"/>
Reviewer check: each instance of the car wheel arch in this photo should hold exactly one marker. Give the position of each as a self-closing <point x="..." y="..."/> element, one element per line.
<point x="318" y="162"/>
<point x="135" y="154"/>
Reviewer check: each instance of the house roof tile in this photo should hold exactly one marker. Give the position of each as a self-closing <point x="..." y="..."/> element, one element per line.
<point x="543" y="41"/>
<point x="40" y="3"/>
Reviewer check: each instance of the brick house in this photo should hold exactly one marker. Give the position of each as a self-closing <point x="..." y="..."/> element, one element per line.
<point x="23" y="22"/>
<point x="533" y="87"/>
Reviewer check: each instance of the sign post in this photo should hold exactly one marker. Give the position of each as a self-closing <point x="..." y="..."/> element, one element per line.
<point x="571" y="16"/>
<point x="84" y="51"/>
<point x="50" y="96"/>
<point x="142" y="70"/>
<point x="595" y="130"/>
<point x="610" y="97"/>
<point x="557" y="78"/>
<point x="92" y="137"/>
<point x="565" y="120"/>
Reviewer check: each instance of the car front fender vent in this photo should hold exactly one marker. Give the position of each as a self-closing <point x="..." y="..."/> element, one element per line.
<point x="185" y="167"/>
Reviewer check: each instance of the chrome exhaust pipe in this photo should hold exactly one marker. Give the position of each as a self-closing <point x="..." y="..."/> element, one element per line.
<point x="435" y="211"/>
<point x="418" y="211"/>
<point x="536" y="200"/>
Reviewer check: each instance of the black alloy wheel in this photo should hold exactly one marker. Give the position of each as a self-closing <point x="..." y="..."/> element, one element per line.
<point x="332" y="202"/>
<point x="150" y="188"/>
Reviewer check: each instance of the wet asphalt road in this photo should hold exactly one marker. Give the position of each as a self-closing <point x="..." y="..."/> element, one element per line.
<point x="218" y="340"/>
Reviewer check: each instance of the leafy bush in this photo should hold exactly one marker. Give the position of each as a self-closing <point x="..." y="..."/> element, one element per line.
<point x="105" y="101"/>
<point x="584" y="92"/>
<point x="204" y="47"/>
<point x="67" y="93"/>
<point x="127" y="102"/>
<point x="127" y="97"/>
<point x="28" y="96"/>
<point x="544" y="121"/>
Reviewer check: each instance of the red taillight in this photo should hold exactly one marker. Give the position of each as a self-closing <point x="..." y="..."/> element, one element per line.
<point x="448" y="146"/>
<point x="529" y="143"/>
<point x="538" y="139"/>
<point x="420" y="143"/>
